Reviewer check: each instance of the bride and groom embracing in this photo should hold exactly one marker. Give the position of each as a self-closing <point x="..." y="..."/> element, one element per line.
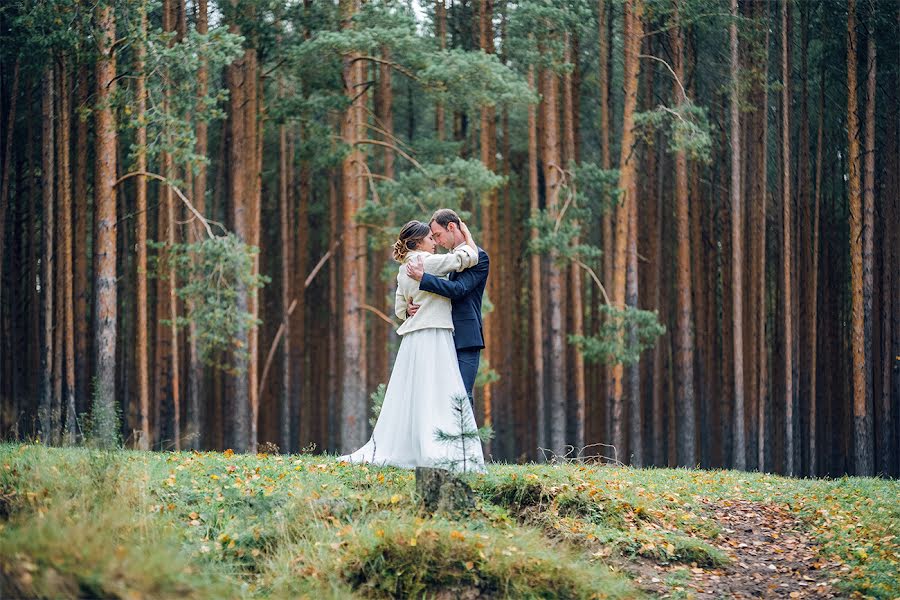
<point x="439" y="301"/>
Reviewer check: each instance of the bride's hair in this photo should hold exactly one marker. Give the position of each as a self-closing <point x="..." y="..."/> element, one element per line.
<point x="410" y="236"/>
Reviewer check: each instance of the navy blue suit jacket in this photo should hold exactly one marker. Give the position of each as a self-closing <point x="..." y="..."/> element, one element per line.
<point x="465" y="290"/>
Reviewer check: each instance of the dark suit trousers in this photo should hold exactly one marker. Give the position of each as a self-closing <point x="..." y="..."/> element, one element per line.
<point x="468" y="366"/>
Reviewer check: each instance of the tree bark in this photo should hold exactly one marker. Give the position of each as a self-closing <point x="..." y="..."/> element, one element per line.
<point x="862" y="420"/>
<point x="737" y="251"/>
<point x="49" y="418"/>
<point x="67" y="325"/>
<point x="353" y="394"/>
<point x="787" y="242"/>
<point x="758" y="276"/>
<point x="868" y="233"/>
<point x="238" y="430"/>
<point x="195" y="387"/>
<point x="82" y="283"/>
<point x="633" y="32"/>
<point x="142" y="343"/>
<point x="552" y="183"/>
<point x="537" y="292"/>
<point x="685" y="402"/>
<point x="105" y="308"/>
<point x="285" y="230"/>
<point x="440" y="15"/>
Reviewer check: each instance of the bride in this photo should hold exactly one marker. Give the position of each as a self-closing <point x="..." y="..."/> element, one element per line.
<point x="419" y="400"/>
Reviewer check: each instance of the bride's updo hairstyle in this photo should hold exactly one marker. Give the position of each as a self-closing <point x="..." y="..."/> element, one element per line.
<point x="410" y="236"/>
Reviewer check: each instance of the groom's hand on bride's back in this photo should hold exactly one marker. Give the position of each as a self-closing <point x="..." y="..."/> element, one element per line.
<point x="416" y="268"/>
<point x="411" y="309"/>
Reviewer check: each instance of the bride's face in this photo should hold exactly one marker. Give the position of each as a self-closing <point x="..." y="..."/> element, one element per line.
<point x="428" y="244"/>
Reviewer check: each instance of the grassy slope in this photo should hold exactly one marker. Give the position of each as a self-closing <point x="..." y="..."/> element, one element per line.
<point x="138" y="524"/>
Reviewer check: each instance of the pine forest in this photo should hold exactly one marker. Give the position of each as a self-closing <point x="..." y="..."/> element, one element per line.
<point x="691" y="207"/>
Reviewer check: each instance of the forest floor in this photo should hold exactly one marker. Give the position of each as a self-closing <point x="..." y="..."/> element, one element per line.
<point x="125" y="524"/>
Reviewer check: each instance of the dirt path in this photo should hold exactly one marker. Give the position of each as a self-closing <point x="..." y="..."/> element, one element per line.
<point x="771" y="557"/>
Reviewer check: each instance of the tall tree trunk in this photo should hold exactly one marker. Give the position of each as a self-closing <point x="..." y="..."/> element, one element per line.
<point x="105" y="307"/>
<point x="812" y="321"/>
<point x="807" y="292"/>
<point x="142" y="343"/>
<point x="685" y="402"/>
<point x="737" y="251"/>
<point x="82" y="283"/>
<point x="65" y="206"/>
<point x="195" y="387"/>
<point x="758" y="276"/>
<point x="440" y="15"/>
<point x="353" y="378"/>
<point x="606" y="227"/>
<point x="166" y="381"/>
<point x="552" y="183"/>
<point x="633" y="32"/>
<point x="385" y="112"/>
<point x="49" y="421"/>
<point x="4" y="185"/>
<point x="575" y="358"/>
<point x="7" y="160"/>
<point x="862" y="420"/>
<point x="536" y="295"/>
<point x="868" y="233"/>
<point x="487" y="144"/>
<point x="238" y="430"/>
<point x="787" y="241"/>
<point x="285" y="166"/>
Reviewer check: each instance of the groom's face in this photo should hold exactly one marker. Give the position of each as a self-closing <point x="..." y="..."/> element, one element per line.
<point x="443" y="236"/>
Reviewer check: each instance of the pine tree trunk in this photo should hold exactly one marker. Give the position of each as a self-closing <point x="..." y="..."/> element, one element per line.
<point x="737" y="252"/>
<point x="67" y="325"/>
<point x="195" y="388"/>
<point x="787" y="243"/>
<point x="7" y="161"/>
<point x="142" y="343"/>
<point x="812" y="322"/>
<point x="570" y="92"/>
<point x="806" y="291"/>
<point x="380" y="367"/>
<point x="604" y="42"/>
<point x="862" y="420"/>
<point x="105" y="307"/>
<point x="633" y="32"/>
<point x="440" y="15"/>
<point x="49" y="422"/>
<point x="760" y="199"/>
<point x="487" y="144"/>
<point x="238" y="430"/>
<point x="353" y="378"/>
<point x="536" y="291"/>
<point x="4" y="187"/>
<point x="868" y="235"/>
<point x="552" y="183"/>
<point x="287" y="292"/>
<point x="685" y="402"/>
<point x="82" y="283"/>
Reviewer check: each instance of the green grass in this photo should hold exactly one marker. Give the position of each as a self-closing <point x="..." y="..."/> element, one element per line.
<point x="198" y="525"/>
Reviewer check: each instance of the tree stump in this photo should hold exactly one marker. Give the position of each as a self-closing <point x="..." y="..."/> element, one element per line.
<point x="439" y="491"/>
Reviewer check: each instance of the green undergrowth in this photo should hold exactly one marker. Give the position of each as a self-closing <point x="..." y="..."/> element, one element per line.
<point x="77" y="522"/>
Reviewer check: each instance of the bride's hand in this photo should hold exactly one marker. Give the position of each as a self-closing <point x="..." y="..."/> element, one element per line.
<point x="467" y="234"/>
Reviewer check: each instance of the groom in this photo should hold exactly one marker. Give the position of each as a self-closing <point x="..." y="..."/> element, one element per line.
<point x="464" y="289"/>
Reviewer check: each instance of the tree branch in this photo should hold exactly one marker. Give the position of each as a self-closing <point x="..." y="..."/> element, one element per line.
<point x="206" y="223"/>
<point x="672" y="71"/>
<point x="595" y="278"/>
<point x="280" y="333"/>
<point x="389" y="63"/>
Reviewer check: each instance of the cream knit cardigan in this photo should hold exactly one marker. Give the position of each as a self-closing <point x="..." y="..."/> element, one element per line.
<point x="434" y="311"/>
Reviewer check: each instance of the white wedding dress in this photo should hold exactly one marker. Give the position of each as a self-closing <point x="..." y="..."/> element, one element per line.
<point x="419" y="400"/>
